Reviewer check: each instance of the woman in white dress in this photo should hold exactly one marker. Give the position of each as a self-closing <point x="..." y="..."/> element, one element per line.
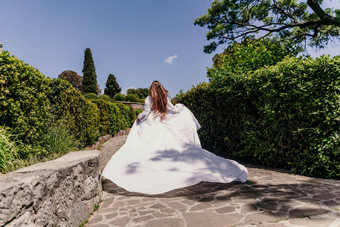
<point x="163" y="152"/>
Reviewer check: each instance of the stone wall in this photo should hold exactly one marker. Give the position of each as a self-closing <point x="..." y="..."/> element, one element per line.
<point x="60" y="192"/>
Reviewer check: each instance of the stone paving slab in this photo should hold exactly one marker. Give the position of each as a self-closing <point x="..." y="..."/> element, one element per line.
<point x="268" y="198"/>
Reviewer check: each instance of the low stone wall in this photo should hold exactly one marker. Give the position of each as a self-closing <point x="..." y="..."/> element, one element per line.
<point x="60" y="192"/>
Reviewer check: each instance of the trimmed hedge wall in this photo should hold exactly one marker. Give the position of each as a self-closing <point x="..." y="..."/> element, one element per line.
<point x="24" y="102"/>
<point x="286" y="115"/>
<point x="114" y="116"/>
<point x="29" y="102"/>
<point x="81" y="116"/>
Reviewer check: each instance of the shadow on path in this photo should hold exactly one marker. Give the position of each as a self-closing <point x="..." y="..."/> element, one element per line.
<point x="276" y="193"/>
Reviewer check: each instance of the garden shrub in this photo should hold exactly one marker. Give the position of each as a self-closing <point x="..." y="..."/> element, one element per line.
<point x="285" y="115"/>
<point x="104" y="116"/>
<point x="133" y="114"/>
<point x="30" y="103"/>
<point x="90" y="125"/>
<point x="69" y="104"/>
<point x="24" y="103"/>
<point x="298" y="124"/>
<point x="119" y="97"/>
<point x="141" y="93"/>
<point x="124" y="116"/>
<point x="106" y="98"/>
<point x="132" y="98"/>
<point x="90" y="96"/>
<point x="114" y="116"/>
<point x="121" y="117"/>
<point x="138" y="111"/>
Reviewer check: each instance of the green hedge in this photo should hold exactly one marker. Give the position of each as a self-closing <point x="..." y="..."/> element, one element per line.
<point x="119" y="97"/>
<point x="114" y="116"/>
<point x="69" y="104"/>
<point x="286" y="115"/>
<point x="24" y="103"/>
<point x="104" y="117"/>
<point x="126" y="115"/>
<point x="30" y="104"/>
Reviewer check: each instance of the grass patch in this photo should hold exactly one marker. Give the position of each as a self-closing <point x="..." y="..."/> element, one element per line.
<point x="95" y="206"/>
<point x="58" y="139"/>
<point x="8" y="151"/>
<point x="14" y="154"/>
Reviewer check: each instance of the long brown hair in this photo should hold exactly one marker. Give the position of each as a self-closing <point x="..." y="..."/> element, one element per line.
<point x="159" y="98"/>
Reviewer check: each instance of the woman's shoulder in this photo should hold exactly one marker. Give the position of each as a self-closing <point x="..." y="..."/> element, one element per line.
<point x="148" y="99"/>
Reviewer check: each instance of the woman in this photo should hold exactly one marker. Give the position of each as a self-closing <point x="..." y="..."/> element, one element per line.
<point x="163" y="152"/>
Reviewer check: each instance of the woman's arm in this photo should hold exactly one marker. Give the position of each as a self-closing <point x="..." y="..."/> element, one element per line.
<point x="146" y="111"/>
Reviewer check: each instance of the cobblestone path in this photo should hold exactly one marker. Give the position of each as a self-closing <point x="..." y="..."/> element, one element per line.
<point x="268" y="198"/>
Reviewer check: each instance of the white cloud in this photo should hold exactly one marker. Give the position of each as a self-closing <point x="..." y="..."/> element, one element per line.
<point x="171" y="59"/>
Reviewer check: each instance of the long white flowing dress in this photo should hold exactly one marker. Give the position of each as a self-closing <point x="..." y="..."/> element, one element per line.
<point x="162" y="155"/>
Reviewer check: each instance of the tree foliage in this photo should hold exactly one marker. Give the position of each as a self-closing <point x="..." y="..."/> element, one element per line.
<point x="89" y="74"/>
<point x="249" y="55"/>
<point x="112" y="86"/>
<point x="73" y="78"/>
<point x="290" y="21"/>
<point x="141" y="93"/>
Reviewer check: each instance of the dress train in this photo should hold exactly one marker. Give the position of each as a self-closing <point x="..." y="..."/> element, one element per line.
<point x="162" y="155"/>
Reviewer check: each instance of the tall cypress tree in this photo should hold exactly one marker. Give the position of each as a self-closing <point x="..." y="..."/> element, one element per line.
<point x="89" y="74"/>
<point x="112" y="86"/>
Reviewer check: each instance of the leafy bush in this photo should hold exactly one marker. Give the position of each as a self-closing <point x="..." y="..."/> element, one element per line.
<point x="28" y="103"/>
<point x="140" y="93"/>
<point x="114" y="116"/>
<point x="123" y="116"/>
<point x="132" y="98"/>
<point x="119" y="97"/>
<point x="298" y="116"/>
<point x="69" y="104"/>
<point x="90" y="96"/>
<point x="285" y="115"/>
<point x="133" y="114"/>
<point x="24" y="103"/>
<point x="90" y="125"/>
<point x="106" y="98"/>
<point x="104" y="116"/>
<point x="138" y="111"/>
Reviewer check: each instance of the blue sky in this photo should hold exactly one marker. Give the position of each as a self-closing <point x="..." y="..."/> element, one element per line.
<point x="136" y="40"/>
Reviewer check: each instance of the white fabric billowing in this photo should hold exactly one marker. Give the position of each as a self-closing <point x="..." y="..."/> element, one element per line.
<point x="162" y="155"/>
